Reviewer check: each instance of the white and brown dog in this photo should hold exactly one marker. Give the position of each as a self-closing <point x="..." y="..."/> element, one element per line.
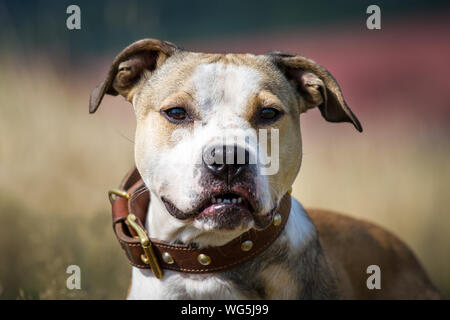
<point x="186" y="102"/>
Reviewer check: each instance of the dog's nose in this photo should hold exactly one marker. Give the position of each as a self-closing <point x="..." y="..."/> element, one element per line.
<point x="226" y="161"/>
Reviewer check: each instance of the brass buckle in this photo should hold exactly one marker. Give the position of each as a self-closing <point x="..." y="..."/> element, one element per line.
<point x="149" y="255"/>
<point x="117" y="192"/>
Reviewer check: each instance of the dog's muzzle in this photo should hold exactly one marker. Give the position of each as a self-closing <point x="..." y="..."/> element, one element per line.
<point x="129" y="209"/>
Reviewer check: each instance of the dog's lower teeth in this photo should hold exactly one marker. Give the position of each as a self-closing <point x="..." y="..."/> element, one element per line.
<point x="225" y="200"/>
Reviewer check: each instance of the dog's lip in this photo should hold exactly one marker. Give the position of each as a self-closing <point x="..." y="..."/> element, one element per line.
<point x="250" y="197"/>
<point x="239" y="202"/>
<point x="207" y="207"/>
<point x="261" y="221"/>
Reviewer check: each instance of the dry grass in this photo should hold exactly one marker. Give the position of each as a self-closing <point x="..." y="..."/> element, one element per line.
<point x="57" y="163"/>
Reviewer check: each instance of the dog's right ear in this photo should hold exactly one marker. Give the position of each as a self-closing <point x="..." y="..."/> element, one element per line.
<point x="129" y="66"/>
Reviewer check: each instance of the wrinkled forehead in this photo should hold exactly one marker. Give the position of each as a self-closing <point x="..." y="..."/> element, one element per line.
<point x="210" y="80"/>
<point x="225" y="85"/>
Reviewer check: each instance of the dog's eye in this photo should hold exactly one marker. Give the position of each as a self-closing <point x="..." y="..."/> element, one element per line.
<point x="269" y="114"/>
<point x="176" y="114"/>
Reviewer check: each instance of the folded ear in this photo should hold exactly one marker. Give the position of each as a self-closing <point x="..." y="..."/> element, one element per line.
<point x="128" y="68"/>
<point x="317" y="86"/>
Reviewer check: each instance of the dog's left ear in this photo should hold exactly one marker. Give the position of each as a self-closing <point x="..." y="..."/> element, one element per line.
<point x="317" y="86"/>
<point x="128" y="68"/>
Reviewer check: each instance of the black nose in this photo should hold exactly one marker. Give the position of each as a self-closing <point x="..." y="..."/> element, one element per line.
<point x="226" y="161"/>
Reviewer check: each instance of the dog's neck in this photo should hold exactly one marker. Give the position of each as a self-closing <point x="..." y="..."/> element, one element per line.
<point x="163" y="226"/>
<point x="295" y="256"/>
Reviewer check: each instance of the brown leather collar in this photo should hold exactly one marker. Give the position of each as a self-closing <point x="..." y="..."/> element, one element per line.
<point x="129" y="210"/>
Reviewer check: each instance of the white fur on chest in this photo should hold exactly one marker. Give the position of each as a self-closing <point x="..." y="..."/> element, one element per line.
<point x="298" y="231"/>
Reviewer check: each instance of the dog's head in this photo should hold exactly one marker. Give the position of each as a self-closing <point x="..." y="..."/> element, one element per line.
<point x="218" y="135"/>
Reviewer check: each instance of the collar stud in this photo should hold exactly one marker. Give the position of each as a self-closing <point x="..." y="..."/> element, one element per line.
<point x="167" y="258"/>
<point x="204" y="259"/>
<point x="247" y="245"/>
<point x="277" y="219"/>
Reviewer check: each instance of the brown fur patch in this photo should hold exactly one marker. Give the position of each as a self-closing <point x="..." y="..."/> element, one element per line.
<point x="352" y="245"/>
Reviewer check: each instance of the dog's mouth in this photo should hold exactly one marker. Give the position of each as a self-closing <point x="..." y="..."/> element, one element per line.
<point x="228" y="209"/>
<point x="228" y="201"/>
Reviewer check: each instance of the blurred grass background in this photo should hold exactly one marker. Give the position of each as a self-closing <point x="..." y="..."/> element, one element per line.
<point x="57" y="161"/>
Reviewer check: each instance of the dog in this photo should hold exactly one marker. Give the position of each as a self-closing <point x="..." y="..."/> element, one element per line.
<point x="186" y="102"/>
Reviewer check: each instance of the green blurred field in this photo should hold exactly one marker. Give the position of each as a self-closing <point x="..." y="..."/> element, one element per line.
<point x="57" y="162"/>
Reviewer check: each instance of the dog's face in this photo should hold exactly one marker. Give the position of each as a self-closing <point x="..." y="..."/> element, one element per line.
<point x="201" y="123"/>
<point x="199" y="105"/>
